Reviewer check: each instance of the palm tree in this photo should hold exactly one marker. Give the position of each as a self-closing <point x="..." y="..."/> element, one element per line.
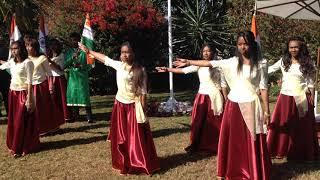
<point x="197" y="22"/>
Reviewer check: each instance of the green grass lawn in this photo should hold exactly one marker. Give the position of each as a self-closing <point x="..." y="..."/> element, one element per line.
<point x="80" y="151"/>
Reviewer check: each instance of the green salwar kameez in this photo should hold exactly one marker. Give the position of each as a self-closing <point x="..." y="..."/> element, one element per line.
<point x="78" y="82"/>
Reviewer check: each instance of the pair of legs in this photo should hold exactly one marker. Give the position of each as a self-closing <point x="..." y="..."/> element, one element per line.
<point x="74" y="113"/>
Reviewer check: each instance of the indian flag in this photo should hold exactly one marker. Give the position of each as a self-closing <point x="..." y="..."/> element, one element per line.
<point x="43" y="32"/>
<point x="14" y="34"/>
<point x="87" y="38"/>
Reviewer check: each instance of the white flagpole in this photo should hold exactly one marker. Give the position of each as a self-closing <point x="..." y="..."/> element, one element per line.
<point x="170" y="105"/>
<point x="170" y="48"/>
<point x="316" y="89"/>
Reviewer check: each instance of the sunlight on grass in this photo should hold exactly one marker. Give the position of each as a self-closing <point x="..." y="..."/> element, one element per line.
<point x="80" y="151"/>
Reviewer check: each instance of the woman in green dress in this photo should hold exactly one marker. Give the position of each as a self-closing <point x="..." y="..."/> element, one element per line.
<point x="78" y="84"/>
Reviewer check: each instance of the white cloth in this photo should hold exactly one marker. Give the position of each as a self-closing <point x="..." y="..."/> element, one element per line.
<point x="244" y="89"/>
<point x="21" y="74"/>
<point x="208" y="86"/>
<point x="59" y="60"/>
<point x="124" y="83"/>
<point x="41" y="69"/>
<point x="294" y="84"/>
<point x="259" y="78"/>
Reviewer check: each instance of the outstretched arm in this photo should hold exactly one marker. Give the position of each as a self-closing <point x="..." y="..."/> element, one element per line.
<point x="99" y="56"/>
<point x="185" y="62"/>
<point x="174" y="70"/>
<point x="2" y="61"/>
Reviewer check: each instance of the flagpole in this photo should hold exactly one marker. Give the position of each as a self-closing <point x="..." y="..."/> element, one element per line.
<point x="316" y="88"/>
<point x="170" y="48"/>
<point x="170" y="105"/>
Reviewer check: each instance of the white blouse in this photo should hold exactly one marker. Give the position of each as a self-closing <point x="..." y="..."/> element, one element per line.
<point x="293" y="80"/>
<point x="239" y="91"/>
<point x="21" y="74"/>
<point x="59" y="60"/>
<point x="41" y="69"/>
<point x="206" y="83"/>
<point x="209" y="86"/>
<point x="244" y="87"/>
<point x="124" y="81"/>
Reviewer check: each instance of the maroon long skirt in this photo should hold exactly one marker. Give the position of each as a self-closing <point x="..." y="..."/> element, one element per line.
<point x="22" y="132"/>
<point x="44" y="109"/>
<point x="59" y="98"/>
<point x="239" y="155"/>
<point x="290" y="136"/>
<point x="205" y="126"/>
<point x="132" y="146"/>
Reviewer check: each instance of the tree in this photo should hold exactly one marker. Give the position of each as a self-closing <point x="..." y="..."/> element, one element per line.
<point x="114" y="22"/>
<point x="200" y="21"/>
<point x="26" y="11"/>
<point x="274" y="31"/>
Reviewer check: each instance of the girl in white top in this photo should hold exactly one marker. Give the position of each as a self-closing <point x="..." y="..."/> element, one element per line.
<point x="42" y="88"/>
<point x="242" y="150"/>
<point x="58" y="81"/>
<point x="22" y="136"/>
<point x="132" y="145"/>
<point x="292" y="131"/>
<point x="208" y="104"/>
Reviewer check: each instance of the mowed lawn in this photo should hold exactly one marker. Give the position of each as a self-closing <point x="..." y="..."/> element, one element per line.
<point x="80" y="151"/>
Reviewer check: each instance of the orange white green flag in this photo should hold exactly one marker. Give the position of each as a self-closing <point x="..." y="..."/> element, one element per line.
<point x="87" y="39"/>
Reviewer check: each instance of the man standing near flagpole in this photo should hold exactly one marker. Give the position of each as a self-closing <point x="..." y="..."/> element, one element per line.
<point x="78" y="65"/>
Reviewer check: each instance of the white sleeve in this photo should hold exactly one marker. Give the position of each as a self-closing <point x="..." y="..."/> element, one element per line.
<point x="223" y="82"/>
<point x="263" y="75"/>
<point x="46" y="67"/>
<point x="112" y="63"/>
<point x="6" y="65"/>
<point x="60" y="60"/>
<point x="275" y="67"/>
<point x="29" y="70"/>
<point x="190" y="69"/>
<point x="221" y="63"/>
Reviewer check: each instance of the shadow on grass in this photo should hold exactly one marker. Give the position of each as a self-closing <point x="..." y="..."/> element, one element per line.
<point x="169" y="131"/>
<point x="101" y="105"/>
<point x="289" y="170"/>
<point x="102" y="116"/>
<point x="46" y="146"/>
<point x="105" y="116"/>
<point x="173" y="161"/>
<point x="81" y="129"/>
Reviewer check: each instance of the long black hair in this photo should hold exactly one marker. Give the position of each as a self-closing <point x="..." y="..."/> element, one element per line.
<point x="214" y="72"/>
<point x="253" y="53"/>
<point x="55" y="46"/>
<point x="306" y="65"/>
<point x="22" y="50"/>
<point x="138" y="73"/>
<point x="35" y="45"/>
